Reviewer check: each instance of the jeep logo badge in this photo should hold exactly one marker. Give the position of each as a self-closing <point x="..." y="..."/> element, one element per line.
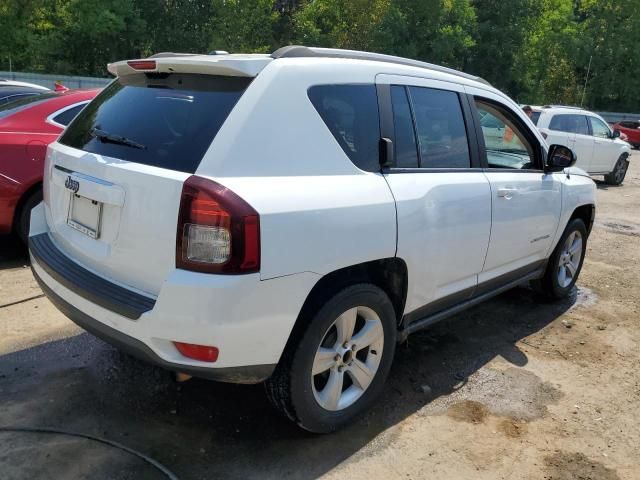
<point x="72" y="184"/>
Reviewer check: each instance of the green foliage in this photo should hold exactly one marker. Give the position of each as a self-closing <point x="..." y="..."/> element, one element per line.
<point x="536" y="50"/>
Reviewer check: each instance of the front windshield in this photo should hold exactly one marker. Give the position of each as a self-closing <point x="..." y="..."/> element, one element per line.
<point x="20" y="104"/>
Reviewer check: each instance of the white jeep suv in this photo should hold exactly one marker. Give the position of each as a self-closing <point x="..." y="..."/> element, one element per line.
<point x="598" y="148"/>
<point x="290" y="218"/>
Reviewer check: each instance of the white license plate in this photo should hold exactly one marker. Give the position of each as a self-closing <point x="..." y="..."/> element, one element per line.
<point x="85" y="215"/>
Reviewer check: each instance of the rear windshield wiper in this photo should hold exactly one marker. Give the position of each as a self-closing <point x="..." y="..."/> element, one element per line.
<point x="111" y="138"/>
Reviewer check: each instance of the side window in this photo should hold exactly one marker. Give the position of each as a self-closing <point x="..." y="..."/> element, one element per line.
<point x="570" y="124"/>
<point x="535" y="116"/>
<point x="599" y="128"/>
<point x="506" y="142"/>
<point x="351" y="115"/>
<point x="440" y="127"/>
<point x="406" y="152"/>
<point x="65" y="117"/>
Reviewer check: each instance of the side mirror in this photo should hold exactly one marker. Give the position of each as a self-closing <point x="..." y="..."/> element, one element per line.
<point x="559" y="158"/>
<point x="616" y="134"/>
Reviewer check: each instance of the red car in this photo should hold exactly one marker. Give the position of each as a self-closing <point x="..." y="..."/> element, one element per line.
<point x="631" y="128"/>
<point x="27" y="126"/>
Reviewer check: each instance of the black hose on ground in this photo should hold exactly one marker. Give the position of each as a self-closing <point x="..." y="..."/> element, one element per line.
<point x="111" y="443"/>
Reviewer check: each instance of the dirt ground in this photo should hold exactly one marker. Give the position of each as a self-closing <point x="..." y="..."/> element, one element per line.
<point x="512" y="389"/>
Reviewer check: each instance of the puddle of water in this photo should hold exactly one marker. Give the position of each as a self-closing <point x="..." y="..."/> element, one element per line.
<point x="585" y="297"/>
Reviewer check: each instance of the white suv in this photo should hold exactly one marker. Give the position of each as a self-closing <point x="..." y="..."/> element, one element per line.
<point x="598" y="148"/>
<point x="289" y="218"/>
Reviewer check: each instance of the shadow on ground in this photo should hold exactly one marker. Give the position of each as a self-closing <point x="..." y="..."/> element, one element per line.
<point x="12" y="252"/>
<point x="202" y="429"/>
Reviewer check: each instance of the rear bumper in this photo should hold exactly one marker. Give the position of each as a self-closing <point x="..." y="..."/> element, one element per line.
<point x="133" y="346"/>
<point x="248" y="319"/>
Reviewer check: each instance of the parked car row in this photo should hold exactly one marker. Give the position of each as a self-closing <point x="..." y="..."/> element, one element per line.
<point x="598" y="148"/>
<point x="27" y="126"/>
<point x="11" y="90"/>
<point x="289" y="218"/>
<point x="631" y="130"/>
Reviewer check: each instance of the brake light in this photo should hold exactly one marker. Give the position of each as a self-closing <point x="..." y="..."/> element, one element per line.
<point x="218" y="232"/>
<point x="142" y="64"/>
<point x="204" y="353"/>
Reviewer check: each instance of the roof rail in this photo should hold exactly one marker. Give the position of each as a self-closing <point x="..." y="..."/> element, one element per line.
<point x="573" y="107"/>
<point x="300" y="51"/>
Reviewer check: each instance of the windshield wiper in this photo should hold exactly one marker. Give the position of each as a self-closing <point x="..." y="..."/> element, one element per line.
<point x="117" y="139"/>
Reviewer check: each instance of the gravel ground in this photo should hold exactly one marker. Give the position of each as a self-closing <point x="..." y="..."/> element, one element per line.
<point x="511" y="389"/>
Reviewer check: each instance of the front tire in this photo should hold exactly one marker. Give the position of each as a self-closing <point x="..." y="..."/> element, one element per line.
<point x="616" y="177"/>
<point x="565" y="263"/>
<point x="337" y="367"/>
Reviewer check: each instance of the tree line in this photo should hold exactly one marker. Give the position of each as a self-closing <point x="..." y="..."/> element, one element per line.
<point x="538" y="51"/>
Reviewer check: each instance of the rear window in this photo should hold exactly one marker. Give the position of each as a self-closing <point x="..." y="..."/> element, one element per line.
<point x="166" y="120"/>
<point x="23" y="103"/>
<point x="351" y="114"/>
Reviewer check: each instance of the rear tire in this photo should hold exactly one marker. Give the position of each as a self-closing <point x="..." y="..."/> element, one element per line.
<point x="616" y="177"/>
<point x="323" y="381"/>
<point x="565" y="263"/>
<point x="23" y="217"/>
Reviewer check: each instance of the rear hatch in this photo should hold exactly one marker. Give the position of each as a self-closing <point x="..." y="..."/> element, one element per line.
<point x="113" y="180"/>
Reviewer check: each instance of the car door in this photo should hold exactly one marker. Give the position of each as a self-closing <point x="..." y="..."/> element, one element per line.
<point x="443" y="199"/>
<point x="605" y="151"/>
<point x="526" y="201"/>
<point x="584" y="144"/>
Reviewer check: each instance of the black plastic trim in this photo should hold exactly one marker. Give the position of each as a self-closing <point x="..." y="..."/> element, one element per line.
<point x="417" y="320"/>
<point x="133" y="346"/>
<point x="430" y="170"/>
<point x="87" y="284"/>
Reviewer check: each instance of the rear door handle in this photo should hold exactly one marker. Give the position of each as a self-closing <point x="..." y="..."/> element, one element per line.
<point x="507" y="192"/>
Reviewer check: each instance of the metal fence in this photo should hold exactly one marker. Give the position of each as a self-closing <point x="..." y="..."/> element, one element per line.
<point x="69" y="81"/>
<point x="614" y="117"/>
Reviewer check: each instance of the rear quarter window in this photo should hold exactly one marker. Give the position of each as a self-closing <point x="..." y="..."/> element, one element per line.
<point x="350" y="112"/>
<point x="535" y="116"/>
<point x="569" y="124"/>
<point x="162" y="120"/>
<point x="64" y="118"/>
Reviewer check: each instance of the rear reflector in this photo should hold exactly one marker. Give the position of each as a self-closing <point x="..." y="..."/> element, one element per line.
<point x="203" y="353"/>
<point x="142" y="64"/>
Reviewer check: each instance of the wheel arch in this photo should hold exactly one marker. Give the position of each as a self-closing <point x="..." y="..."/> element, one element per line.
<point x="389" y="274"/>
<point x="23" y="199"/>
<point x="586" y="213"/>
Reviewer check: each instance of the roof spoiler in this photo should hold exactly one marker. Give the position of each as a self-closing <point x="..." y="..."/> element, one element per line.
<point x="169" y="62"/>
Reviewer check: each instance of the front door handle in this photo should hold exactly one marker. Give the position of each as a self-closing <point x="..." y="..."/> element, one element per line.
<point x="507" y="192"/>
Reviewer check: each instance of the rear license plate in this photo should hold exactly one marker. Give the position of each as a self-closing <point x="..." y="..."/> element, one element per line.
<point x="85" y="215"/>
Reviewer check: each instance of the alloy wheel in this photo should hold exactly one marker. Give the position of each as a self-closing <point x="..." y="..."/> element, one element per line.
<point x="569" y="260"/>
<point x="347" y="358"/>
<point x="621" y="170"/>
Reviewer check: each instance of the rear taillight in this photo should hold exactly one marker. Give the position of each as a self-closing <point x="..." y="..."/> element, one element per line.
<point x="218" y="232"/>
<point x="142" y="64"/>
